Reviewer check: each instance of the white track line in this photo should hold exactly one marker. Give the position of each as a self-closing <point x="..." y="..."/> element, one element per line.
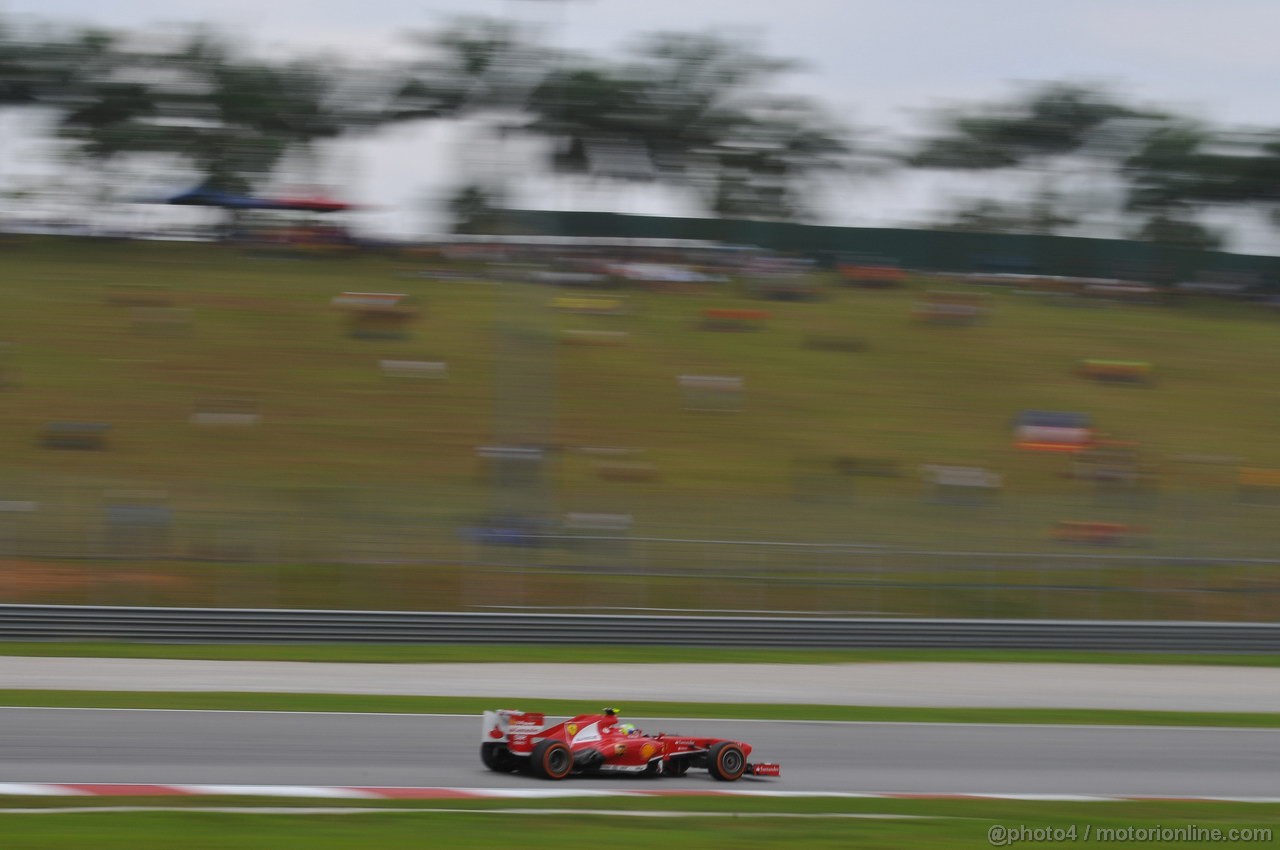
<point x="35" y="789"/>
<point x="318" y="791"/>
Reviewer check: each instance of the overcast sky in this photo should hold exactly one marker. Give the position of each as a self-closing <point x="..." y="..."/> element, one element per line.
<point x="875" y="63"/>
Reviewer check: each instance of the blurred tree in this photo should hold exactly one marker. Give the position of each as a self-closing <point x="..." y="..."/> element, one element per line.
<point x="472" y="64"/>
<point x="1053" y="119"/>
<point x="688" y="110"/>
<point x="479" y="72"/>
<point x="1167" y="180"/>
<point x="698" y="88"/>
<point x="1041" y="216"/>
<point x="1056" y="132"/>
<point x="766" y="168"/>
<point x="691" y="111"/>
<point x="103" y="107"/>
<point x="22" y="74"/>
<point x="230" y="120"/>
<point x="598" y="118"/>
<point x="1181" y="232"/>
<point x="473" y="209"/>
<point x="1187" y="166"/>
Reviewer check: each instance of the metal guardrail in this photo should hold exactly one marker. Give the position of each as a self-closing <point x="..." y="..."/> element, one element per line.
<point x="194" y="625"/>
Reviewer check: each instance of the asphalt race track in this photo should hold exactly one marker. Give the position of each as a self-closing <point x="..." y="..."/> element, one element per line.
<point x="128" y="746"/>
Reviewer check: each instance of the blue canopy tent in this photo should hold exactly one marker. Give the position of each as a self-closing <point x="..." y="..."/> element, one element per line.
<point x="301" y="227"/>
<point x="203" y="197"/>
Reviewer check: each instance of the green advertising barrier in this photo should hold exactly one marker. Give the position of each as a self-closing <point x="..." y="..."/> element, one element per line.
<point x="933" y="250"/>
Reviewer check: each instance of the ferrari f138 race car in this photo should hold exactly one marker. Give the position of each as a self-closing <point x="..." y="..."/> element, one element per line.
<point x="599" y="743"/>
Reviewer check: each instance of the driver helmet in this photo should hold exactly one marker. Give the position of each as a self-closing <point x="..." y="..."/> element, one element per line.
<point x="628" y="729"/>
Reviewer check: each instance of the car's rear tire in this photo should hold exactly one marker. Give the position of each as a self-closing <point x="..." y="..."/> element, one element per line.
<point x="551" y="760"/>
<point x="498" y="758"/>
<point x="726" y="761"/>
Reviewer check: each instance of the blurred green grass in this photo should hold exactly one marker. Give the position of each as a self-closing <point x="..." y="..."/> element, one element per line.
<point x="909" y="824"/>
<point x="264" y="329"/>
<point x="378" y="704"/>
<point x="963" y="588"/>
<point x="351" y="465"/>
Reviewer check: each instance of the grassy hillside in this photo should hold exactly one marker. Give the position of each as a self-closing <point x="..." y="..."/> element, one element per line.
<point x="343" y="446"/>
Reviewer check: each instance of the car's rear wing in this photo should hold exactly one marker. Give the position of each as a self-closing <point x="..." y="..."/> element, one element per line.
<point x="505" y="724"/>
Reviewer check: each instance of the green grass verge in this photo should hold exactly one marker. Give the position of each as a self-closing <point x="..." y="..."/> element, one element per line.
<point x="284" y="490"/>
<point x="228" y="701"/>
<point x="817" y="803"/>
<point x="470" y="654"/>
<point x="937" y="824"/>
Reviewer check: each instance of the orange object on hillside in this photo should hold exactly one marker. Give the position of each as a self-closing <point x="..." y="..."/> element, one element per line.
<point x="1097" y="533"/>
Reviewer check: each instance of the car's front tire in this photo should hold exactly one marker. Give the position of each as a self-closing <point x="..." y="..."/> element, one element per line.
<point x="726" y="762"/>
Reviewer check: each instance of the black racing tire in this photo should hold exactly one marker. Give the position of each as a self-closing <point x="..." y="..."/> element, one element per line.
<point x="551" y="760"/>
<point x="726" y="761"/>
<point x="498" y="758"/>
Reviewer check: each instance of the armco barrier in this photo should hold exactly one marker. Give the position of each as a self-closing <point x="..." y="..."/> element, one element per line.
<point x="196" y="625"/>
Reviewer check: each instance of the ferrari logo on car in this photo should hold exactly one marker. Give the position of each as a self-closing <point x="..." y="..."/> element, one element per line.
<point x="572" y="729"/>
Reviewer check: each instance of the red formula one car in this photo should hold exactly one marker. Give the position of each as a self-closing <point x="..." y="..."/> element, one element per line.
<point x="599" y="743"/>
